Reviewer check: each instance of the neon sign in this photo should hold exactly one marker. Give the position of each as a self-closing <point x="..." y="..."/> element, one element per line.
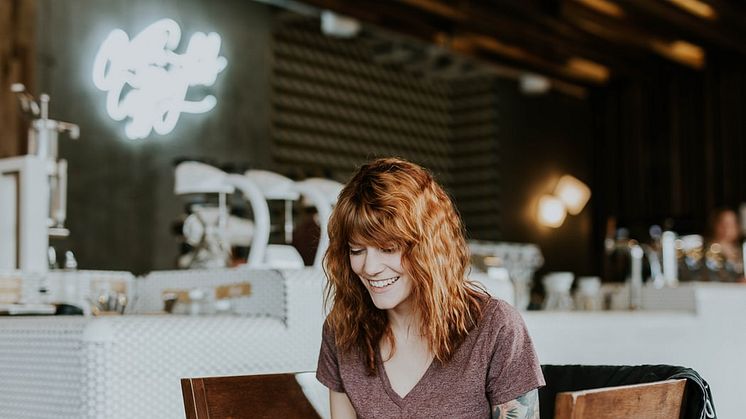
<point x="147" y="82"/>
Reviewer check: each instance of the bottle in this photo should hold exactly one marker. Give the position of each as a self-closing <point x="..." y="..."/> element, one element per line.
<point x="70" y="263"/>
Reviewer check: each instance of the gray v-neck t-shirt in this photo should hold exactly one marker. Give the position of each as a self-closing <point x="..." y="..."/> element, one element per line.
<point x="496" y="363"/>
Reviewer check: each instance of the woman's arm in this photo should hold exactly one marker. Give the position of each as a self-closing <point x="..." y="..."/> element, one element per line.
<point x="340" y="405"/>
<point x="524" y="407"/>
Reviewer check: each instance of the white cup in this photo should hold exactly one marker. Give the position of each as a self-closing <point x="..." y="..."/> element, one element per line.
<point x="559" y="282"/>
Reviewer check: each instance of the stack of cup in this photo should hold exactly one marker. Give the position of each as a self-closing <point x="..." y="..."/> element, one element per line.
<point x="588" y="293"/>
<point x="557" y="287"/>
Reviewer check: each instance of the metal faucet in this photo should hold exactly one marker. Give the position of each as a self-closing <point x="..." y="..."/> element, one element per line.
<point x="649" y="253"/>
<point x="635" y="279"/>
<point x="656" y="269"/>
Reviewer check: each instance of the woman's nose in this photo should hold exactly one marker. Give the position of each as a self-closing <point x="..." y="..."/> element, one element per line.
<point x="372" y="265"/>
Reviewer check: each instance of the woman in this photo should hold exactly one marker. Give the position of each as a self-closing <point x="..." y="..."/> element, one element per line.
<point x="724" y="255"/>
<point x="407" y="334"/>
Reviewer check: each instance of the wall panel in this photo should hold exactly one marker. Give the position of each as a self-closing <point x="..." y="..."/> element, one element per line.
<point x="17" y="65"/>
<point x="335" y="107"/>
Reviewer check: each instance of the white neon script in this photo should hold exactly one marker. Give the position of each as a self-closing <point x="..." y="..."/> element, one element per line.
<point x="147" y="81"/>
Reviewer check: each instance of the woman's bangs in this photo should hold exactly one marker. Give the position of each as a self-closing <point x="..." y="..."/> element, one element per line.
<point x="368" y="226"/>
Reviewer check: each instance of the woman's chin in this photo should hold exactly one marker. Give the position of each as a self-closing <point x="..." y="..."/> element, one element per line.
<point x="387" y="300"/>
<point x="383" y="302"/>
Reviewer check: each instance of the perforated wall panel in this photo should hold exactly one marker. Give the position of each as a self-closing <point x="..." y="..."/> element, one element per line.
<point x="476" y="156"/>
<point x="336" y="106"/>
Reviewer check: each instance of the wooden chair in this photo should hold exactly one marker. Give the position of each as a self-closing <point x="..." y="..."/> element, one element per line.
<point x="657" y="400"/>
<point x="247" y="396"/>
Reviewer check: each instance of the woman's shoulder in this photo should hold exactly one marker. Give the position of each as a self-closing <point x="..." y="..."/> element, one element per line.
<point x="497" y="312"/>
<point x="492" y="304"/>
<point x="327" y="330"/>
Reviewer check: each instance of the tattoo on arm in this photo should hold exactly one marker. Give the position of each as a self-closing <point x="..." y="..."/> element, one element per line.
<point x="524" y="407"/>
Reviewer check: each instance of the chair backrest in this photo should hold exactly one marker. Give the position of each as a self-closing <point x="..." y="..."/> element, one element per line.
<point x="657" y="400"/>
<point x="246" y="396"/>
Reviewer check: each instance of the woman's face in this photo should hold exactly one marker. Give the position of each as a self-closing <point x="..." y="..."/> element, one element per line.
<point x="380" y="270"/>
<point x="727" y="229"/>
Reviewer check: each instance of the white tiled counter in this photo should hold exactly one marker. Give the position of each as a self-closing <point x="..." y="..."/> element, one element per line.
<point x="129" y="366"/>
<point x="711" y="339"/>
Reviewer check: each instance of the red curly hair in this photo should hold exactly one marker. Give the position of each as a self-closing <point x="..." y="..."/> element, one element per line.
<point x="392" y="202"/>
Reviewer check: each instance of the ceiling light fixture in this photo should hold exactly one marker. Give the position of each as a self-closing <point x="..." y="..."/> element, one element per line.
<point x="534" y="84"/>
<point x="682" y="52"/>
<point x="697" y="8"/>
<point x="588" y="69"/>
<point x="604" y="6"/>
<point x="339" y="26"/>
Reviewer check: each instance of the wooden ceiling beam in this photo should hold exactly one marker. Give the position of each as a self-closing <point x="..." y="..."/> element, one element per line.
<point x="541" y="29"/>
<point x="457" y="13"/>
<point x="518" y="41"/>
<point x="626" y="37"/>
<point x="434" y="28"/>
<point x="550" y="28"/>
<point x="673" y="22"/>
<point x="486" y="47"/>
<point x="628" y="31"/>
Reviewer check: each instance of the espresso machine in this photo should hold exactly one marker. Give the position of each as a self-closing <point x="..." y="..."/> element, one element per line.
<point x="33" y="191"/>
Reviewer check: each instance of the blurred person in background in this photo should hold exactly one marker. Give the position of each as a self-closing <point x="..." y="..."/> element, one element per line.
<point x="724" y="254"/>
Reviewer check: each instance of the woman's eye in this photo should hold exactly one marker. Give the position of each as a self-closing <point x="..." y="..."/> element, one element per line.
<point x="356" y="251"/>
<point x="389" y="250"/>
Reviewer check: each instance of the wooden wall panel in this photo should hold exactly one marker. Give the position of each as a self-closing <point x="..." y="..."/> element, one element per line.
<point x="671" y="147"/>
<point x="17" y="64"/>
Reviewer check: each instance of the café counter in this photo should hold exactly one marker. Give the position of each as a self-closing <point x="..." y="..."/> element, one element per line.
<point x="130" y="366"/>
<point x="710" y="338"/>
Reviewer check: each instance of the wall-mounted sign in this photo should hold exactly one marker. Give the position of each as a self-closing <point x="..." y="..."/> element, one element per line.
<point x="147" y="82"/>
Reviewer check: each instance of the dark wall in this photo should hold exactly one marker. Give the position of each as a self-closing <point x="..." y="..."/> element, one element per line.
<point x="725" y="149"/>
<point x="542" y="138"/>
<point x="671" y="146"/>
<point x="121" y="203"/>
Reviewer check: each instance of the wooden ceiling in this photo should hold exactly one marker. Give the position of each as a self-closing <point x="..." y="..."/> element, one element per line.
<point x="581" y="43"/>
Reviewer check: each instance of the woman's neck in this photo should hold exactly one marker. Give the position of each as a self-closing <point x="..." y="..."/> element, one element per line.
<point x="403" y="320"/>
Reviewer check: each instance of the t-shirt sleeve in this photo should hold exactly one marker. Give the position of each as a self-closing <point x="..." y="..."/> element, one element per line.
<point x="327" y="371"/>
<point x="514" y="368"/>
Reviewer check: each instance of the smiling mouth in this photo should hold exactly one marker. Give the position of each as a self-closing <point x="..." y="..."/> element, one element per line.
<point x="382" y="283"/>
